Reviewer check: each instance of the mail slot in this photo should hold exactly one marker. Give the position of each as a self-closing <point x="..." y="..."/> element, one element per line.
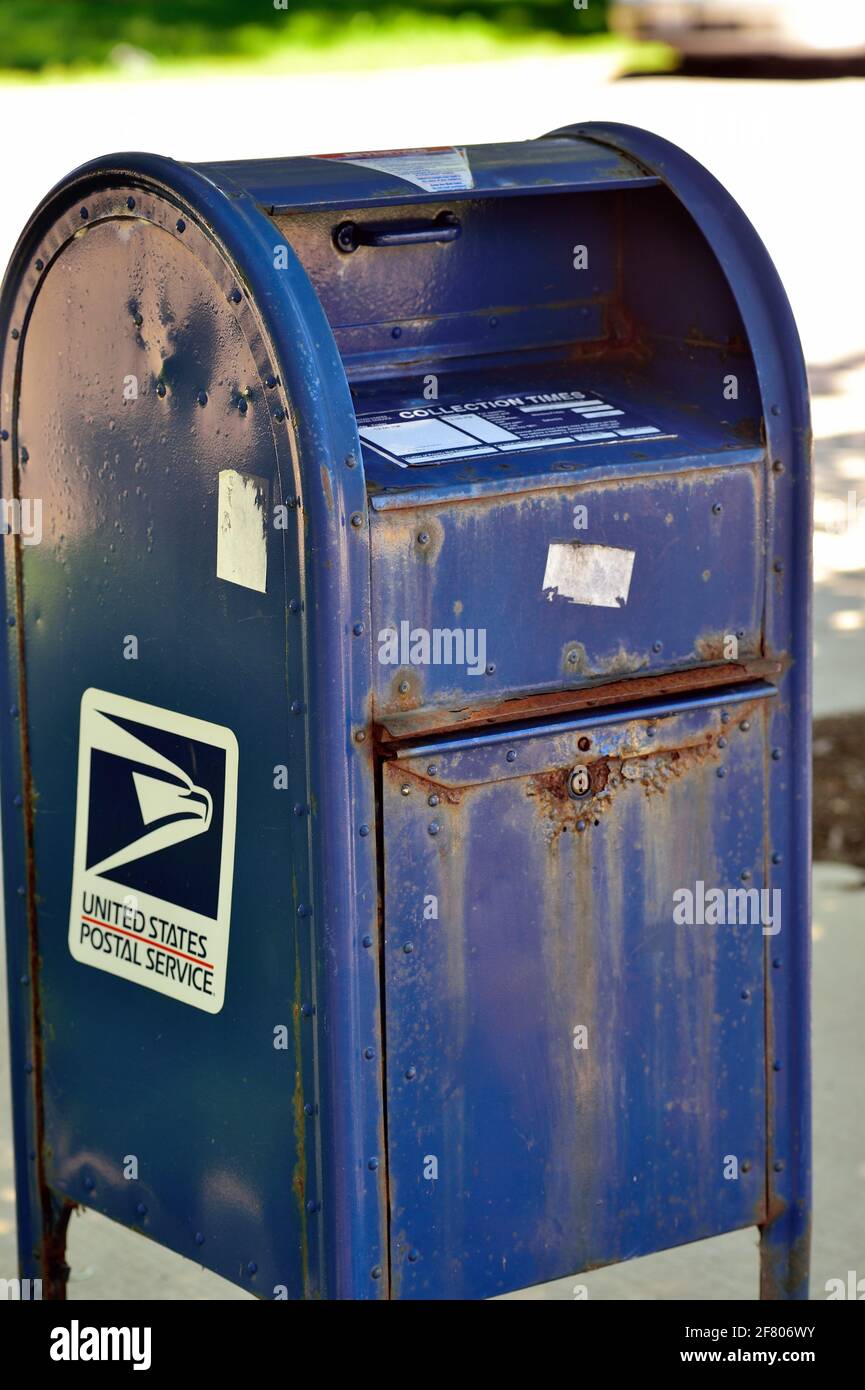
<point x="405" y="747"/>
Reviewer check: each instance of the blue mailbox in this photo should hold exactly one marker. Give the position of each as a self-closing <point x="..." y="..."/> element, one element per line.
<point x="405" y="717"/>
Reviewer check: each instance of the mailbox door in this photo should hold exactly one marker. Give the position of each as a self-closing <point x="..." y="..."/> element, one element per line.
<point x="575" y="1045"/>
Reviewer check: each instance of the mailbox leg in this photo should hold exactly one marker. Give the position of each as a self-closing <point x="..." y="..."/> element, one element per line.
<point x="785" y="1253"/>
<point x="42" y="1246"/>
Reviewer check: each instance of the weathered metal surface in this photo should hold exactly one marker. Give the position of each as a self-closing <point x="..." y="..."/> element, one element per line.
<point x="258" y="345"/>
<point x="556" y="914"/>
<point x="484" y="564"/>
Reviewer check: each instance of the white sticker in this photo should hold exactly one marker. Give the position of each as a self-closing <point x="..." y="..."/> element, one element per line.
<point x="241" y="534"/>
<point x="596" y="575"/>
<point x="154" y="847"/>
<point x="435" y="169"/>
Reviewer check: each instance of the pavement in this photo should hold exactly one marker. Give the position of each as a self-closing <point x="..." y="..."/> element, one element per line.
<point x="787" y="151"/>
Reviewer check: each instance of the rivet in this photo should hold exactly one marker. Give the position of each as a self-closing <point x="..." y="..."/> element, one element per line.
<point x="199" y="1238"/>
<point x="656" y="646"/>
<point x="4" y="435"/>
<point x="360" y="736"/>
<point x="309" y="1108"/>
<point x="584" y="744"/>
<point x="717" y="508"/>
<point x="88" y="1184"/>
<point x="413" y="1255"/>
<point x="410" y="1073"/>
<point x="408" y="948"/>
<point x="432" y="800"/>
<point x="180" y="224"/>
<point x="299" y="810"/>
<point x="84" y="214"/>
<point x="405" y="789"/>
<point x="776" y="963"/>
<point x="138" y="320"/>
<point x="350" y="461"/>
<point x="434" y="827"/>
<point x="372" y="1164"/>
<point x="364" y="831"/>
<point x="18" y="801"/>
<point x="745" y="725"/>
<point x="746" y="994"/>
<point x="358" y="629"/>
<point x="581" y="825"/>
<point x="432" y="770"/>
<point x="252" y="1267"/>
<point x="745" y="875"/>
<point x="21" y="890"/>
<point x="130" y="203"/>
<point x="303" y="910"/>
<point x="25" y="980"/>
<point x="375" y="1272"/>
<point x="777" y="466"/>
<point x="15" y="333"/>
<point x="279" y="413"/>
<point x="779" y="1166"/>
<point x="777" y="858"/>
<point x="141" y="1209"/>
<point x="39" y="264"/>
<point x="423" y="538"/>
<point x="312" y="1207"/>
<point x="722" y="772"/>
<point x="202" y="398"/>
<point x="776" y="755"/>
<point x="746" y="1165"/>
<point x="357" y="519"/>
<point x="651" y="731"/>
<point x="776" y="1066"/>
<point x="296" y="707"/>
<point x="13" y="710"/>
<point x="306" y="1010"/>
<point x="404" y="687"/>
<point x="25" y="455"/>
<point x="270" y="381"/>
<point x="294" y="605"/>
<point x="367" y="942"/>
<point x="369" y="1053"/>
<point x="776" y="410"/>
<point x="160" y="388"/>
<point x="235" y="296"/>
<point x="511" y="755"/>
<point x="778" y="567"/>
<point x="725" y="716"/>
<point x="396" y="332"/>
<point x="491" y="669"/>
<point x="722" y="742"/>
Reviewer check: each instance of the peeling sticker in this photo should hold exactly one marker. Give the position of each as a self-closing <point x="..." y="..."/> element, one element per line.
<point x="241" y="538"/>
<point x="595" y="575"/>
<point x="435" y="169"/>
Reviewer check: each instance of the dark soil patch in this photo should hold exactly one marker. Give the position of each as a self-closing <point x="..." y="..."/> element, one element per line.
<point x="839" y="789"/>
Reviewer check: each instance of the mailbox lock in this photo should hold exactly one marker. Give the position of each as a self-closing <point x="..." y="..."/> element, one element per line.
<point x="579" y="782"/>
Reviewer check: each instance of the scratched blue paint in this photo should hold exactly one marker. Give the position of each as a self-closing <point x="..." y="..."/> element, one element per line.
<point x="299" y="1172"/>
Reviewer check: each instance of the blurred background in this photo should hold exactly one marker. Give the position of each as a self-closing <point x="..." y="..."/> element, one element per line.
<point x="771" y="97"/>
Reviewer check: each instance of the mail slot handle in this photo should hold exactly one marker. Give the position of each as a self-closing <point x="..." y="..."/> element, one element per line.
<point x="350" y="235"/>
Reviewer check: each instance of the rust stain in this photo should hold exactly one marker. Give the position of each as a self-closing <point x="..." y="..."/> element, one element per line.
<point x="394" y="726"/>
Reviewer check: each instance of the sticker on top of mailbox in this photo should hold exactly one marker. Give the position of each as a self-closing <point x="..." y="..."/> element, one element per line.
<point x="507" y="424"/>
<point x="435" y="169"/>
<point x="154" y="847"/>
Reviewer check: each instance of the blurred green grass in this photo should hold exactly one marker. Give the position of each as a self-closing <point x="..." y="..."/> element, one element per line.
<point x="68" y="38"/>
